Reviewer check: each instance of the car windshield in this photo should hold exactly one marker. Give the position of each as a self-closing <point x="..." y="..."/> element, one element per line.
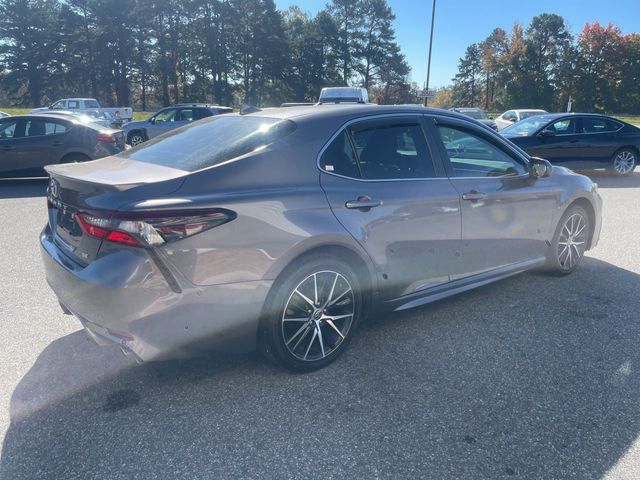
<point x="210" y="142"/>
<point x="526" y="127"/>
<point x="477" y="114"/>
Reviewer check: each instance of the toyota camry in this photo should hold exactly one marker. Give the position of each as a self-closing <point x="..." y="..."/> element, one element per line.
<point x="283" y="229"/>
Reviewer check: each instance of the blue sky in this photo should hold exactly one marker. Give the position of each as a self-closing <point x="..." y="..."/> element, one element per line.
<point x="461" y="22"/>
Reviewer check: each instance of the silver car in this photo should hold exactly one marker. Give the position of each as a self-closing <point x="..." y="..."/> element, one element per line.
<point x="282" y="229"/>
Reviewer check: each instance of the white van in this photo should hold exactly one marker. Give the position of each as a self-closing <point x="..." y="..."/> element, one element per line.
<point x="344" y="94"/>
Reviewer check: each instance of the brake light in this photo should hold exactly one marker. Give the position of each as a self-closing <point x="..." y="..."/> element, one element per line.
<point x="150" y="228"/>
<point x="106" y="137"/>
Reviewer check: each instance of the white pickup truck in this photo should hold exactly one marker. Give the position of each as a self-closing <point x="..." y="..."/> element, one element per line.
<point x="87" y="105"/>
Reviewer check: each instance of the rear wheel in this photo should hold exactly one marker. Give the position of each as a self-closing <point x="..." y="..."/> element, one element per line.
<point x="135" y="138"/>
<point x="624" y="161"/>
<point x="569" y="241"/>
<point x="313" y="313"/>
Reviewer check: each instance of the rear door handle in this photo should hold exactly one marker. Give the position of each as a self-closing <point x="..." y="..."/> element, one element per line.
<point x="474" y="196"/>
<point x="364" y="202"/>
<point x="58" y="144"/>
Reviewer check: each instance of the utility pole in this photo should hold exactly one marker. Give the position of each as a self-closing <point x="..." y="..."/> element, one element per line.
<point x="433" y="16"/>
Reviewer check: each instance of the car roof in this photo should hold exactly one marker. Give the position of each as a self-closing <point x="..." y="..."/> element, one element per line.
<point x="328" y="111"/>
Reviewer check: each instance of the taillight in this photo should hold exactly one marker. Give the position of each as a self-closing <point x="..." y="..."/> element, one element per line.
<point x="106" y="137"/>
<point x="151" y="229"/>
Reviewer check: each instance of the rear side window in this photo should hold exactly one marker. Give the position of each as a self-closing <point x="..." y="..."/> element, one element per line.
<point x="186" y="115"/>
<point x="203" y="113"/>
<point x="385" y="149"/>
<point x="37" y="128"/>
<point x="91" y="104"/>
<point x="210" y="142"/>
<point x="339" y="157"/>
<point x="596" y="125"/>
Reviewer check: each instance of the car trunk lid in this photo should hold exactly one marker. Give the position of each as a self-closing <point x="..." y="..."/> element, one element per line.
<point x="100" y="186"/>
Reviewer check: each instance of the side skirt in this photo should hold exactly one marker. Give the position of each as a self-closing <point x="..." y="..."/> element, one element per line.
<point x="462" y="285"/>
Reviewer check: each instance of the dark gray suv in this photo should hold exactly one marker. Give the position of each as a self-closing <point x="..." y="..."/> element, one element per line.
<point x="168" y="119"/>
<point x="282" y="229"/>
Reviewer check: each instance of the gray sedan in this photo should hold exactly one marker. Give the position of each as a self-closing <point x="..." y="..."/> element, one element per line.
<point x="30" y="142"/>
<point x="283" y="229"/>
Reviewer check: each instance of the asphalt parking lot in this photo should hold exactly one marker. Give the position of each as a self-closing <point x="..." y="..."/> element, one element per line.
<point x="531" y="377"/>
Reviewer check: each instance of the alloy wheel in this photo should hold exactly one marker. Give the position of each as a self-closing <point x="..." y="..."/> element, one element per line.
<point x="572" y="241"/>
<point x="135" y="140"/>
<point x="624" y="162"/>
<point x="318" y="315"/>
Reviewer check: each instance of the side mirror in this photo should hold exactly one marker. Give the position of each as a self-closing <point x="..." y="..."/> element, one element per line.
<point x="547" y="133"/>
<point x="539" y="167"/>
<point x="152" y="120"/>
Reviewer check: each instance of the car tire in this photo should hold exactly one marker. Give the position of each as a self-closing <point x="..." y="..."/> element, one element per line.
<point x="75" y="158"/>
<point x="312" y="313"/>
<point x="569" y="242"/>
<point x="624" y="161"/>
<point x="135" y="138"/>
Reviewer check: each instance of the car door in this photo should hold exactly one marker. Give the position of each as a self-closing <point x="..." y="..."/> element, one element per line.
<point x="506" y="213"/>
<point x="163" y="121"/>
<point x="11" y="129"/>
<point x="600" y="140"/>
<point x="560" y="142"/>
<point x="44" y="142"/>
<point x="386" y="189"/>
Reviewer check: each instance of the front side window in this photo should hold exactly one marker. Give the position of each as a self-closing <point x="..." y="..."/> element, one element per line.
<point x="510" y="115"/>
<point x="8" y="129"/>
<point x="58" y="105"/>
<point x="565" y="126"/>
<point x="471" y="155"/>
<point x="168" y="115"/>
<point x="91" y="104"/>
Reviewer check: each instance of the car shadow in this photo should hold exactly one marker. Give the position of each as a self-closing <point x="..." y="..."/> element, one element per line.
<point x="531" y="377"/>
<point x="606" y="179"/>
<point x="23" y="187"/>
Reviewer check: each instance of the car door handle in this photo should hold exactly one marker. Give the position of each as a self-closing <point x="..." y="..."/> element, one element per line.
<point x="7" y="147"/>
<point x="364" y="202"/>
<point x="574" y="141"/>
<point x="57" y="144"/>
<point x="474" y="196"/>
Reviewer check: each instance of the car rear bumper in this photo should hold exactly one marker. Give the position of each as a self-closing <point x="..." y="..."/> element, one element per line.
<point x="124" y="299"/>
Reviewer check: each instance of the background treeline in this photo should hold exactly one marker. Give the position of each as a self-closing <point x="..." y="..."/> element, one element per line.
<point x="149" y="53"/>
<point x="544" y="64"/>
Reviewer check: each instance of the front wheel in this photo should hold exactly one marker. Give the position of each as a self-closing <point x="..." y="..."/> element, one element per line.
<point x="313" y="313"/>
<point x="135" y="138"/>
<point x="624" y="161"/>
<point x="569" y="241"/>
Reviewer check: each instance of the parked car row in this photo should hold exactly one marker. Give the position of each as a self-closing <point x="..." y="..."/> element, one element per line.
<point x="87" y="105"/>
<point x="574" y="140"/>
<point x="283" y="228"/>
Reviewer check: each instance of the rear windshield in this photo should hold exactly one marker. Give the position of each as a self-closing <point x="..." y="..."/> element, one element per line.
<point x="210" y="142"/>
